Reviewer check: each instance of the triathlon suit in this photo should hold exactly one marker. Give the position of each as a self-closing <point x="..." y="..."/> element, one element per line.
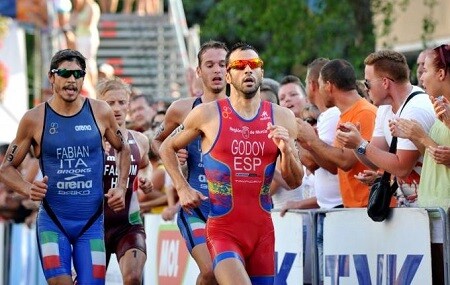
<point x="124" y="230"/>
<point x="71" y="215"/>
<point x="239" y="168"/>
<point x="192" y="226"/>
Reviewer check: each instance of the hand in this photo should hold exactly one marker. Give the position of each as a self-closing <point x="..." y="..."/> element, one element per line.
<point x="440" y="154"/>
<point x="169" y="212"/>
<point x="279" y="135"/>
<point x="368" y="177"/>
<point x="305" y="134"/>
<point x="289" y="205"/>
<point x="348" y="135"/>
<point x="38" y="189"/>
<point x="116" y="199"/>
<point x="182" y="155"/>
<point x="406" y="129"/>
<point x="190" y="198"/>
<point x="442" y="109"/>
<point x="145" y="184"/>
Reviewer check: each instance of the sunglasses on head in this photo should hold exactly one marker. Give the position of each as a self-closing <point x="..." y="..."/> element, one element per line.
<point x="66" y="73"/>
<point x="442" y="49"/>
<point x="241" y="64"/>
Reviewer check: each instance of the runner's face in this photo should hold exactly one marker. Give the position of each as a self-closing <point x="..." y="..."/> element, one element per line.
<point x="67" y="88"/>
<point x="118" y="101"/>
<point x="248" y="80"/>
<point x="212" y="70"/>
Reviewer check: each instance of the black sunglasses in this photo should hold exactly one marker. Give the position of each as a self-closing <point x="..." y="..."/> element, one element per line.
<point x="310" y="121"/>
<point x="367" y="82"/>
<point x="77" y="73"/>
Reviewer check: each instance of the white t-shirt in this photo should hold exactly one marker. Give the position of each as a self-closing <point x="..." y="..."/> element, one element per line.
<point x="326" y="184"/>
<point x="421" y="110"/>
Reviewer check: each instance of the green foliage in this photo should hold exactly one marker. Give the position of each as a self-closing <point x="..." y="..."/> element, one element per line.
<point x="290" y="34"/>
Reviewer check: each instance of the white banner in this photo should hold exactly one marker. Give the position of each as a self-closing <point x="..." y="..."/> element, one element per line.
<point x="360" y="251"/>
<point x="168" y="260"/>
<point x="15" y="104"/>
<point x="289" y="248"/>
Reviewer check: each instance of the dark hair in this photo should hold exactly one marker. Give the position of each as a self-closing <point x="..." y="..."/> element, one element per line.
<point x="314" y="68"/>
<point x="442" y="57"/>
<point x="293" y="79"/>
<point x="210" y="45"/>
<point x="340" y="73"/>
<point x="239" y="46"/>
<point x="67" y="55"/>
<point x="136" y="97"/>
<point x="390" y="64"/>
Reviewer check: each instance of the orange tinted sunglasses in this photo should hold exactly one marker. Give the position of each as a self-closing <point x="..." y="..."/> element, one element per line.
<point x="241" y="64"/>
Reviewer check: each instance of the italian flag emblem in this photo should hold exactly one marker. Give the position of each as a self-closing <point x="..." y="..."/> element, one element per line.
<point x="197" y="226"/>
<point x="134" y="214"/>
<point x="98" y="258"/>
<point x="50" y="250"/>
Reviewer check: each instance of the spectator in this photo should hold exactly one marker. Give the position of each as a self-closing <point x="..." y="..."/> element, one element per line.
<point x="269" y="90"/>
<point x="292" y="94"/>
<point x="326" y="183"/>
<point x="85" y="18"/>
<point x="388" y="85"/>
<point x="420" y="64"/>
<point x="337" y="85"/>
<point x="435" y="179"/>
<point x="141" y="113"/>
<point x="105" y="71"/>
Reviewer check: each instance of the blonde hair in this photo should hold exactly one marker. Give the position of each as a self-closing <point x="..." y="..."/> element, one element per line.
<point x="115" y="83"/>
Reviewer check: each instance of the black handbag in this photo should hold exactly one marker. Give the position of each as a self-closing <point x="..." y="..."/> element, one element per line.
<point x="381" y="191"/>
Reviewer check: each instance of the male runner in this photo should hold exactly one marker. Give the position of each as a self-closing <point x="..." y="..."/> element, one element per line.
<point x="211" y="70"/>
<point x="66" y="134"/>
<point x="124" y="230"/>
<point x="241" y="138"/>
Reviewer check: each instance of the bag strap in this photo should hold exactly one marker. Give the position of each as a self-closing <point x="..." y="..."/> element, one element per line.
<point x="393" y="145"/>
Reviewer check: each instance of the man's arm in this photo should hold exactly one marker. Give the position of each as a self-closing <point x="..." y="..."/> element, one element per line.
<point x="191" y="128"/>
<point x="16" y="153"/>
<point x="290" y="166"/>
<point x="145" y="167"/>
<point x="175" y="115"/>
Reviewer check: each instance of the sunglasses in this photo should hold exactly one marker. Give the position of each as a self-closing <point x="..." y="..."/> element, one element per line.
<point x="442" y="58"/>
<point x="241" y="64"/>
<point x="78" y="73"/>
<point x="368" y="85"/>
<point x="311" y="121"/>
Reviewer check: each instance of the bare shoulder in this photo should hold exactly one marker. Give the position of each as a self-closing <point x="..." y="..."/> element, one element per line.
<point x="141" y="139"/>
<point x="179" y="109"/>
<point x="33" y="119"/>
<point x="99" y="106"/>
<point x="205" y="111"/>
<point x="282" y="115"/>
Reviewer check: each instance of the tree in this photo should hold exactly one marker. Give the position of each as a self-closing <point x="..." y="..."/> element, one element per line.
<point x="290" y="34"/>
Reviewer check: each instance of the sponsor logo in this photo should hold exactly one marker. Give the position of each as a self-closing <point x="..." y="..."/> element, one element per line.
<point x="53" y="128"/>
<point x="80" y="128"/>
<point x="69" y="185"/>
<point x="74" y="192"/>
<point x="264" y="116"/>
<point x="172" y="256"/>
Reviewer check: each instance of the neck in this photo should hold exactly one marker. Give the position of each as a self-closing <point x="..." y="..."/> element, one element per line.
<point x="246" y="108"/>
<point x="209" y="96"/>
<point x="66" y="108"/>
<point x="346" y="100"/>
<point x="402" y="92"/>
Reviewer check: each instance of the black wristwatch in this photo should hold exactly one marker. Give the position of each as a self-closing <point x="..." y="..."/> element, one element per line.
<point x="362" y="148"/>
